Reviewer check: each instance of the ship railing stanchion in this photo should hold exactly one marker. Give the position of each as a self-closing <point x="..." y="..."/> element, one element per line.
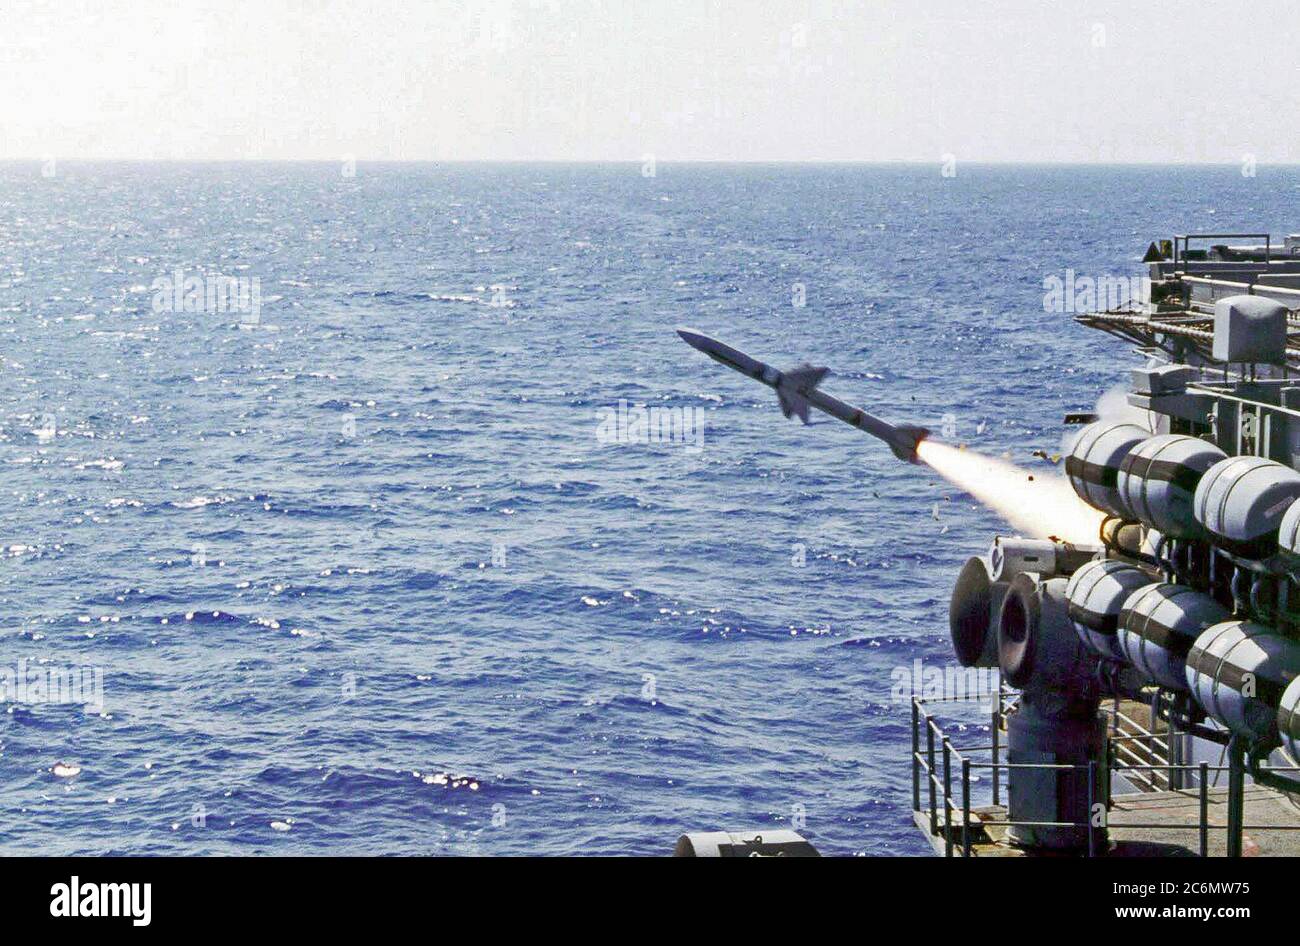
<point x="916" y="756"/>
<point x="1172" y="752"/>
<point x="1205" y="809"/>
<point x="947" y="797"/>
<point x="929" y="774"/>
<point x="1236" y="793"/>
<point x="965" y="807"/>
<point x="997" y="724"/>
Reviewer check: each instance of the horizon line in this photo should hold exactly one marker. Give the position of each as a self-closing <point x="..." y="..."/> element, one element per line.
<point x="987" y="162"/>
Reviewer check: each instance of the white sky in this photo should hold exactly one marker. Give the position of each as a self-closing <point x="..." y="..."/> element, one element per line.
<point x="812" y="80"/>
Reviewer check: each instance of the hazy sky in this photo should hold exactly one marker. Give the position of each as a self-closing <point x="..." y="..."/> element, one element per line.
<point x="680" y="79"/>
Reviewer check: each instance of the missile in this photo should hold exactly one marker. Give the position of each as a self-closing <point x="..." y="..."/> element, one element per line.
<point x="797" y="391"/>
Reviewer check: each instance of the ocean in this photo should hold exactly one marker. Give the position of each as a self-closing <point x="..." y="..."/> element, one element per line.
<point x="351" y="559"/>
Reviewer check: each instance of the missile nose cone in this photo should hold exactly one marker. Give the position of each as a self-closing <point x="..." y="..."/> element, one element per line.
<point x="694" y="338"/>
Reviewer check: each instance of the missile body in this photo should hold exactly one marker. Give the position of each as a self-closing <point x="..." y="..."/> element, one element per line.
<point x="797" y="391"/>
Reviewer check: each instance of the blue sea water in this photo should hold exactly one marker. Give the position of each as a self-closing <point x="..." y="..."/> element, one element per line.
<point x="277" y="541"/>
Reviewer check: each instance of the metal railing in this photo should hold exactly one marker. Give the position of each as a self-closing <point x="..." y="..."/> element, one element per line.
<point x="935" y="763"/>
<point x="1182" y="242"/>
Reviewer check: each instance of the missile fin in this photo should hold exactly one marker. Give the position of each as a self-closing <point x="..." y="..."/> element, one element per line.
<point x="793" y="403"/>
<point x="794" y="385"/>
<point x="905" y="440"/>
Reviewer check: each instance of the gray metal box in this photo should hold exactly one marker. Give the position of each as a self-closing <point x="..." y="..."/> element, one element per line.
<point x="1162" y="379"/>
<point x="1250" y="328"/>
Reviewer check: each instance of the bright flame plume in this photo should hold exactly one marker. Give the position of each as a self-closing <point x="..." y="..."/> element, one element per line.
<point x="1038" y="506"/>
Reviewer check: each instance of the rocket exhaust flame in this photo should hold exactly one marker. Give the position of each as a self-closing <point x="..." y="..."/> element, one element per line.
<point x="1038" y="506"/>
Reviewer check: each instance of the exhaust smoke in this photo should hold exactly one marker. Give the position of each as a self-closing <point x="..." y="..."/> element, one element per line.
<point x="1037" y="506"/>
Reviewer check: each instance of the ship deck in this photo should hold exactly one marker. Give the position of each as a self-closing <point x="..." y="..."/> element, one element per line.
<point x="1153" y="824"/>
<point x="1157" y="807"/>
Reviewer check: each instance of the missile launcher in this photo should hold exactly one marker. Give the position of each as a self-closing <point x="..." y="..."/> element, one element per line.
<point x="1188" y="606"/>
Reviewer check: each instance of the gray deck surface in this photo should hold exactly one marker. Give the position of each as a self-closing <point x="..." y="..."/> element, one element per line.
<point x="1272" y="826"/>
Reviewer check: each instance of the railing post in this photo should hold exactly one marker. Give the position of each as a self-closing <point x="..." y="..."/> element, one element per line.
<point x="930" y="776"/>
<point x="1205" y="809"/>
<point x="965" y="807"/>
<point x="1175" y="741"/>
<point x="997" y="725"/>
<point x="916" y="756"/>
<point x="1236" y="794"/>
<point x="947" y="797"/>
